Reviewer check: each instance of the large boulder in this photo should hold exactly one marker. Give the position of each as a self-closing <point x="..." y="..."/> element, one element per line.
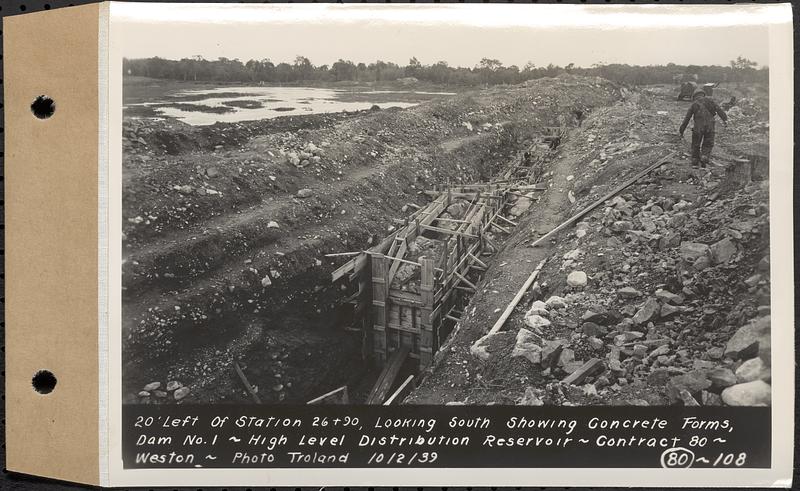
<point x="723" y="251"/>
<point x="753" y="369"/>
<point x="527" y="346"/>
<point x="488" y="345"/>
<point x="536" y="322"/>
<point x="755" y="393"/>
<point x="556" y="302"/>
<point x="647" y="311"/>
<point x="694" y="382"/>
<point x="721" y="378"/>
<point x="691" y="251"/>
<point x="577" y="279"/>
<point x="538" y="308"/>
<point x="745" y="343"/>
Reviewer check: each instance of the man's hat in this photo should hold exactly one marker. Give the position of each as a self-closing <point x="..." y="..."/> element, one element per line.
<point x="698" y="91"/>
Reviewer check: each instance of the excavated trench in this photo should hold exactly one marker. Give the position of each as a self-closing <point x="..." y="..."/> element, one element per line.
<point x="290" y="333"/>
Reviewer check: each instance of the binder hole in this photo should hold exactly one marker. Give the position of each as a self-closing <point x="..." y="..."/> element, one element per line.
<point x="44" y="382"/>
<point x="43" y="107"/>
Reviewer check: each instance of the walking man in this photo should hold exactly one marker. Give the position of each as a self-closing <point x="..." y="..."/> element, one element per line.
<point x="703" y="109"/>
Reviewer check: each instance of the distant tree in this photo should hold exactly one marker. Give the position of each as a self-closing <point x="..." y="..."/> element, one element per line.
<point x="413" y="68"/>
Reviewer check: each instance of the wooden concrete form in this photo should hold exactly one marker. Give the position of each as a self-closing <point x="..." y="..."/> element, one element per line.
<point x="393" y="318"/>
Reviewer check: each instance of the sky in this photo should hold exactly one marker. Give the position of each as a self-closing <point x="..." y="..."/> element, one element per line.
<point x="461" y="34"/>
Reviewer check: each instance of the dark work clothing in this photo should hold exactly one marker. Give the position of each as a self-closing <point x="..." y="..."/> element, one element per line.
<point x="703" y="110"/>
<point x="702" y="143"/>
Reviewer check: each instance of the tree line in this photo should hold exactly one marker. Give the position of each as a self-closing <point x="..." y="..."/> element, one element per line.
<point x="487" y="72"/>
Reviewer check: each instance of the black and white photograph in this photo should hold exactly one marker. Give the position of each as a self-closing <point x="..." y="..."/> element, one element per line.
<point x="333" y="206"/>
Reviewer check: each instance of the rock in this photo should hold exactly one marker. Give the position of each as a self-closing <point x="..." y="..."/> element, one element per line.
<point x="536" y="322"/>
<point x="577" y="279"/>
<point x="181" y="393"/>
<point x="753" y="280"/>
<point x="596" y="343"/>
<point x="668" y="310"/>
<point x="212" y="172"/>
<point x="265" y="281"/>
<point x="710" y="398"/>
<point x="647" y="311"/>
<point x="532" y="397"/>
<point x="687" y="398"/>
<point x="669" y="297"/>
<point x="556" y="302"/>
<point x="702" y="263"/>
<point x="723" y="251"/>
<point x="273" y="224"/>
<point x="753" y="369"/>
<point x="745" y="343"/>
<point x="621" y="226"/>
<point x="305" y="193"/>
<point x="566" y="357"/>
<point x="144" y="393"/>
<point x="765" y="349"/>
<point x="626" y="337"/>
<point x="691" y="251"/>
<point x="455" y="403"/>
<point x="489" y="344"/>
<point x="677" y="220"/>
<point x="152" y="386"/>
<point x="185" y="189"/>
<point x="527" y="346"/>
<point x="755" y="393"/>
<point x="721" y="378"/>
<point x="694" y="382"/>
<point x="659" y="376"/>
<point x="173" y="385"/>
<point x="639" y="350"/>
<point x="715" y="353"/>
<point x="538" y="308"/>
<point x="595" y="313"/>
<point x="628" y="292"/>
<point x="160" y="394"/>
<point x="592" y="329"/>
<point x="551" y="352"/>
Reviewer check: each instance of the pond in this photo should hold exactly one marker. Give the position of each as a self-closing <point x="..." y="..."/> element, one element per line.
<point x="233" y="104"/>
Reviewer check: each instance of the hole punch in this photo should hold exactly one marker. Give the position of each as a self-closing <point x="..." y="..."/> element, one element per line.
<point x="44" y="382"/>
<point x="43" y="107"/>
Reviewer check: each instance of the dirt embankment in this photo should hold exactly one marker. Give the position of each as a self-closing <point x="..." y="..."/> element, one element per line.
<point x="226" y="230"/>
<point x="665" y="287"/>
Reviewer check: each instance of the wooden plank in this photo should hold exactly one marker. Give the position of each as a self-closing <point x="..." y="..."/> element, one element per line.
<point x="396" y="264"/>
<point x="588" y="368"/>
<point x="517" y="298"/>
<point x="602" y="200"/>
<point x="341" y="392"/>
<point x="465" y="280"/>
<point x="446" y="231"/>
<point x="246" y="383"/>
<point x="501" y="217"/>
<point x="480" y="263"/>
<point x="340" y="254"/>
<point x="402" y="391"/>
<point x="388" y="375"/>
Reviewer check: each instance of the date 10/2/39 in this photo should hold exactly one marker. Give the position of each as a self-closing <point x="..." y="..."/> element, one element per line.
<point x="399" y="458"/>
